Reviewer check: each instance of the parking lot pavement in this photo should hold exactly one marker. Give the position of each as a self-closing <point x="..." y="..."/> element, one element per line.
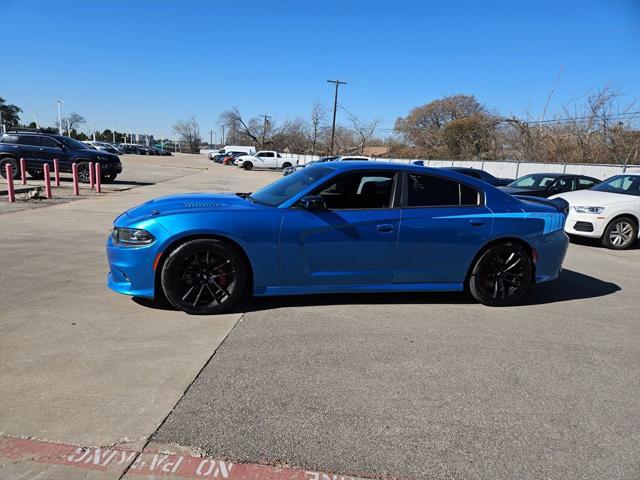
<point x="415" y="386"/>
<point x="433" y="386"/>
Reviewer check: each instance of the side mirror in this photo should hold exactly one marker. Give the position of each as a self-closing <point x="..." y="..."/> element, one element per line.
<point x="62" y="146"/>
<point x="313" y="202"/>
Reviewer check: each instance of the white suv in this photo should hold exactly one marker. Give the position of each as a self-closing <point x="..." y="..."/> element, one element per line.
<point x="609" y="211"/>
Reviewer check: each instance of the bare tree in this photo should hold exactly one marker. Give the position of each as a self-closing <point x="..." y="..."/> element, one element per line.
<point x="189" y="132"/>
<point x="365" y="131"/>
<point x="238" y="129"/>
<point x="71" y="121"/>
<point x="318" y="116"/>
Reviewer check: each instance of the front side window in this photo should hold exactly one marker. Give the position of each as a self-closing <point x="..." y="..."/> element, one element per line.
<point x="431" y="191"/>
<point x="265" y="154"/>
<point x="563" y="184"/>
<point x="49" y="142"/>
<point x="359" y="190"/>
<point x="585" y="183"/>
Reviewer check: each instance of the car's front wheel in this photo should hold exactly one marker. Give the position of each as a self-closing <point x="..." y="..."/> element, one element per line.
<point x="501" y="275"/>
<point x="248" y="166"/>
<point x="620" y="234"/>
<point x="108" y="177"/>
<point x="84" y="172"/>
<point x="204" y="276"/>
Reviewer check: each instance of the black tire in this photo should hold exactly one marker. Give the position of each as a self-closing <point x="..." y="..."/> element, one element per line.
<point x="247" y="166"/>
<point x="285" y="165"/>
<point x="14" y="164"/>
<point x="620" y="234"/>
<point x="83" y="172"/>
<point x="501" y="275"/>
<point x="36" y="173"/>
<point x="204" y="277"/>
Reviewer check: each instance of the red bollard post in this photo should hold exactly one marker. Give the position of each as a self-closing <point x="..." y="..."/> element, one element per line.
<point x="91" y="172"/>
<point x="23" y="170"/>
<point x="98" y="177"/>
<point x="74" y="172"/>
<point x="47" y="180"/>
<point x="10" y="190"/>
<point x="56" y="171"/>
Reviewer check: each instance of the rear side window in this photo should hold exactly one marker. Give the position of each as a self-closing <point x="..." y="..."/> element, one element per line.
<point x="431" y="191"/>
<point x="9" y="139"/>
<point x="29" y="140"/>
<point x="585" y="182"/>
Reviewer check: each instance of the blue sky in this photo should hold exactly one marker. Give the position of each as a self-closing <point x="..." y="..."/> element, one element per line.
<point x="140" y="64"/>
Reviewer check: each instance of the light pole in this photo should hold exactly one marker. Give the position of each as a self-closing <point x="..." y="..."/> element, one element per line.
<point x="59" y="102"/>
<point x="36" y="118"/>
<point x="93" y="132"/>
<point x="335" y="107"/>
<point x="113" y="130"/>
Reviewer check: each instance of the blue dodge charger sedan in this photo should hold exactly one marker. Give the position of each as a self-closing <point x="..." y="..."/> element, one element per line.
<point x="339" y="227"/>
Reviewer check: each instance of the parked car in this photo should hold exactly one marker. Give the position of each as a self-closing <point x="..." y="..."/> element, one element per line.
<point x="289" y="170"/>
<point x="335" y="227"/>
<point x="39" y="148"/>
<point x="264" y="159"/>
<point x="481" y="175"/>
<point x="247" y="150"/>
<point x="547" y="184"/>
<point x="102" y="146"/>
<point x="610" y="211"/>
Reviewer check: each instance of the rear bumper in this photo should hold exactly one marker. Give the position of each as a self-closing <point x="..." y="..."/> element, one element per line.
<point x="551" y="250"/>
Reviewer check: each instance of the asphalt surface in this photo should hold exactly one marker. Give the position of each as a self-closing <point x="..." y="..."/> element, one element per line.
<point x="433" y="386"/>
<point x="407" y="386"/>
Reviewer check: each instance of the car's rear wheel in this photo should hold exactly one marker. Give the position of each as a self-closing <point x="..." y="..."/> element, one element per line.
<point x="14" y="165"/>
<point x="501" y="275"/>
<point x="84" y="172"/>
<point x="204" y="276"/>
<point x="248" y="166"/>
<point x="620" y="234"/>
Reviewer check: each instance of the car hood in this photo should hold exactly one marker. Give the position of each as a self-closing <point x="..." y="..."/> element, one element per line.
<point x="189" y="202"/>
<point x="594" y="198"/>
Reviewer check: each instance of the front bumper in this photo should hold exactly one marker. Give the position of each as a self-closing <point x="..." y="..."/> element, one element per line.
<point x="111" y="167"/>
<point x="599" y="223"/>
<point x="131" y="269"/>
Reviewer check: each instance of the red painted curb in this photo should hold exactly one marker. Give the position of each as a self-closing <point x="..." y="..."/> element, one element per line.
<point x="151" y="464"/>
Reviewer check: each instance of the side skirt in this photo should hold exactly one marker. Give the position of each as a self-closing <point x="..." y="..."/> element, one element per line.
<point x="387" y="288"/>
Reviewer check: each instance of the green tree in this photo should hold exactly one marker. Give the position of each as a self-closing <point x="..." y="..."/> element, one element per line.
<point x="10" y="113"/>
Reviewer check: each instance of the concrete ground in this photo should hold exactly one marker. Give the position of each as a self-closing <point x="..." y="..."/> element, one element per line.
<point x="408" y="386"/>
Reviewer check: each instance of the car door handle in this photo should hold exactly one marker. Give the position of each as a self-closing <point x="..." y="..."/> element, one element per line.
<point x="476" y="222"/>
<point x="385" y="227"/>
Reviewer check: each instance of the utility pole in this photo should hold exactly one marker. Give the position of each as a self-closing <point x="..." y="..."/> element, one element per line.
<point x="210" y="139"/>
<point x="59" y="102"/>
<point x="223" y="135"/>
<point x="264" y="126"/>
<point x="335" y="108"/>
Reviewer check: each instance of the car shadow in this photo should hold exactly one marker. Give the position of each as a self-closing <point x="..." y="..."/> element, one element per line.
<point x="569" y="286"/>
<point x="596" y="243"/>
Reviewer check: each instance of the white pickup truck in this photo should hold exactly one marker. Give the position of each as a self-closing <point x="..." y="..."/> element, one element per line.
<point x="264" y="159"/>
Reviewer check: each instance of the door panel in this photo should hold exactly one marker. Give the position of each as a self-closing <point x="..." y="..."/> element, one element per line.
<point x="338" y="247"/>
<point x="437" y="244"/>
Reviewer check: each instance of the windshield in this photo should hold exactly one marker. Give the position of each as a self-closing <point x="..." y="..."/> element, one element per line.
<point x="74" y="144"/>
<point x="625" y="184"/>
<point x="278" y="192"/>
<point x="538" y="180"/>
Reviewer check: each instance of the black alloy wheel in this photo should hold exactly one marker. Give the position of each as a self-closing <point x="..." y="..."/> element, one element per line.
<point x="248" y="166"/>
<point x="501" y="275"/>
<point x="204" y="276"/>
<point x="14" y="165"/>
<point x="84" y="172"/>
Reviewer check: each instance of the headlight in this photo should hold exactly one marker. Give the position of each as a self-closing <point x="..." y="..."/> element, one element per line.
<point x="588" y="209"/>
<point x="132" y="236"/>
